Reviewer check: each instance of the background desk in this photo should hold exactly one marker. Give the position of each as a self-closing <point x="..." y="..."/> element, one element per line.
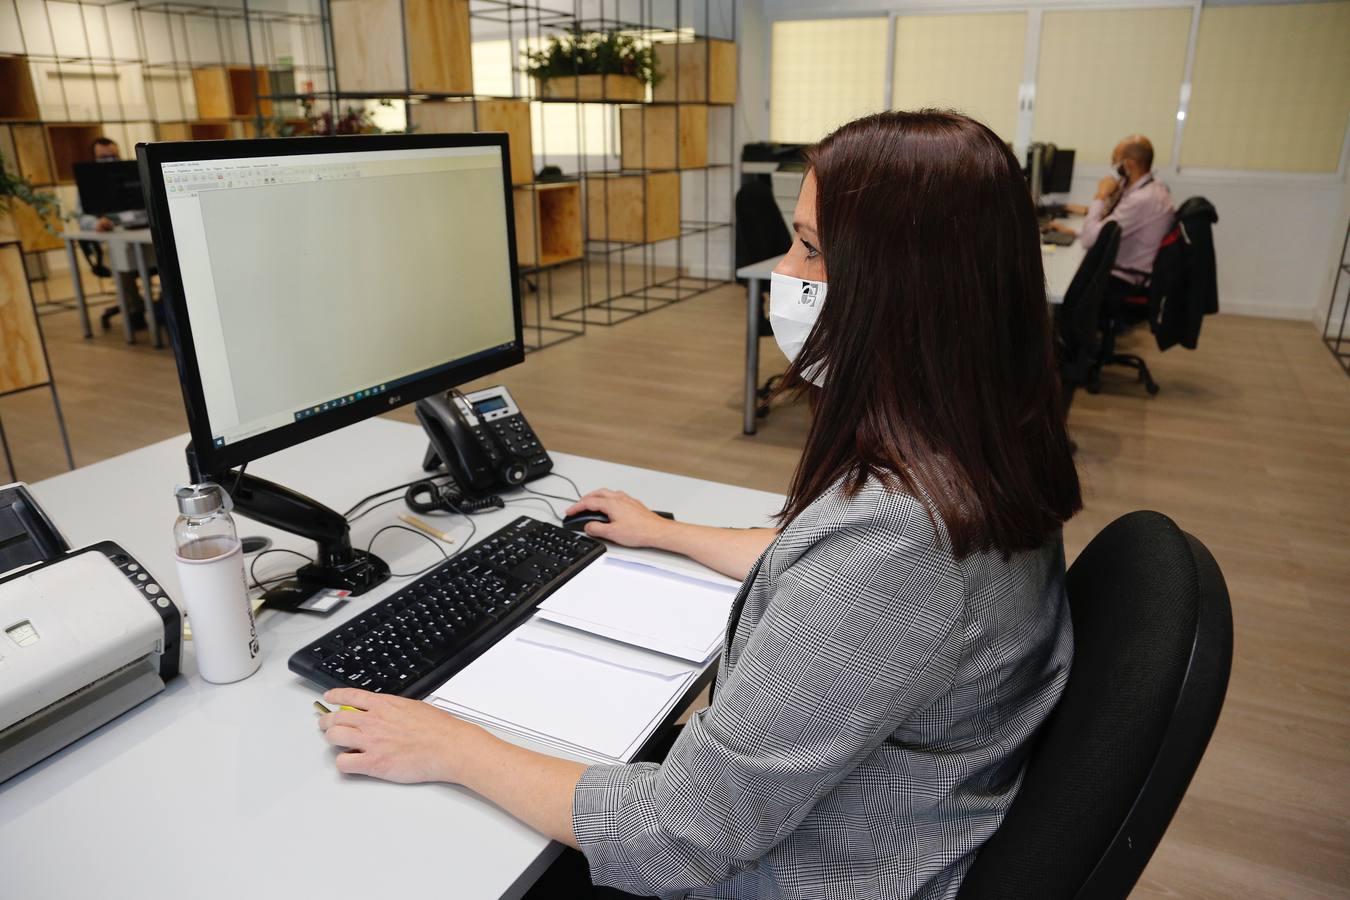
<point x="228" y="791"/>
<point x="1060" y="263"/>
<point x="137" y="239"/>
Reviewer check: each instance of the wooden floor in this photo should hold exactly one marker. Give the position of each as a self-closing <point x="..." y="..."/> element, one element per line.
<point x="1247" y="447"/>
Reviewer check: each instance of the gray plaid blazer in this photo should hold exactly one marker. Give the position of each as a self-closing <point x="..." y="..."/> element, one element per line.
<point x="870" y="724"/>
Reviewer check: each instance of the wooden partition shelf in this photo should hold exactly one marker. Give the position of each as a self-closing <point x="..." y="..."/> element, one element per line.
<point x="551" y="215"/>
<point x="701" y="71"/>
<point x="24" y="148"/>
<point x="198" y="131"/>
<point x="18" y="100"/>
<point x="622" y="88"/>
<point x="458" y="116"/>
<point x="226" y="92"/>
<point x="71" y="143"/>
<point x="23" y="365"/>
<point x="369" y="37"/>
<point x="663" y="137"/>
<point x="633" y="207"/>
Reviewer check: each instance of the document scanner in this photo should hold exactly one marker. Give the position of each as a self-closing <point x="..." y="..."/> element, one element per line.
<point x="85" y="635"/>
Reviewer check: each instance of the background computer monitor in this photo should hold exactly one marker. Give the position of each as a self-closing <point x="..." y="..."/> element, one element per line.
<point x="109" y="187"/>
<point x="314" y="282"/>
<point x="1057" y="177"/>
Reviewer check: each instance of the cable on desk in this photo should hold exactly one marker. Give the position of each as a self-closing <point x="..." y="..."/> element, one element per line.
<point x="575" y="489"/>
<point x="539" y="499"/>
<point x="252" y="576"/>
<point x="373" y="507"/>
<point x="445" y="556"/>
<point x="530" y="490"/>
<point x="398" y="487"/>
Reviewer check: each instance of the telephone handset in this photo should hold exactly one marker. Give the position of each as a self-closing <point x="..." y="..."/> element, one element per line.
<point x="483" y="440"/>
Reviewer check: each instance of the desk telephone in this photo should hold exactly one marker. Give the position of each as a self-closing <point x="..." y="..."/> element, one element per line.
<point x="483" y="440"/>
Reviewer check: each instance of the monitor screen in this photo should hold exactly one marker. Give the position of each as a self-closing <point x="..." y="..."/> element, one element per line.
<point x="324" y="286"/>
<point x="1058" y="175"/>
<point x="109" y="187"/>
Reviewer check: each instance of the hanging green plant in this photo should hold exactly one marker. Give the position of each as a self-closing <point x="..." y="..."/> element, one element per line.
<point x="593" y="53"/>
<point x="16" y="187"/>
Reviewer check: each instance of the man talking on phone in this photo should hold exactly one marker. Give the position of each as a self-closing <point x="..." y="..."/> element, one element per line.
<point x="1137" y="202"/>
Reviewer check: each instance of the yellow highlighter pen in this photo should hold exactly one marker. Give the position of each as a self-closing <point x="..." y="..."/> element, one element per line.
<point x="321" y="709"/>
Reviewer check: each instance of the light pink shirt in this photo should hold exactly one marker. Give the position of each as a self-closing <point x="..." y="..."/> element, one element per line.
<point x="1145" y="214"/>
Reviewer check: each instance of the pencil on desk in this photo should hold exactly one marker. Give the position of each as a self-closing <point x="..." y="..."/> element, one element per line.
<point x="427" y="529"/>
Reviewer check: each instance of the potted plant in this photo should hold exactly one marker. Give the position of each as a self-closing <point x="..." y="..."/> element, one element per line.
<point x="350" y="120"/>
<point x="26" y="212"/>
<point x="608" y="65"/>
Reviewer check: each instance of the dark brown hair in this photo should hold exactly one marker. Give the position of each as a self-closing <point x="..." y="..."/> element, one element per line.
<point x="934" y="338"/>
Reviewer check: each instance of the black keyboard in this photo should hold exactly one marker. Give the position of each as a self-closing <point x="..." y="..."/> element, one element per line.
<point x="410" y="643"/>
<point x="1058" y="238"/>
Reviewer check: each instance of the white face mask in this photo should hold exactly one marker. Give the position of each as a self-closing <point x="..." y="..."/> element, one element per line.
<point x="794" y="306"/>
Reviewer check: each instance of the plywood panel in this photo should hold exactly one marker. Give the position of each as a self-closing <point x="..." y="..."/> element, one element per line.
<point x="693" y="136"/>
<point x="212" y="88"/>
<point x="702" y="71"/>
<point x="71" y="144"/>
<point x="243" y="102"/>
<point x="555" y="209"/>
<point x="28" y="228"/>
<point x="513" y="117"/>
<point x="649" y="138"/>
<point x="173" y="131"/>
<point x="368" y="45"/>
<point x="592" y="87"/>
<point x="442" y="116"/>
<point x="615" y="206"/>
<point x="31" y="153"/>
<point x="22" y="361"/>
<point x="439" y="59"/>
<point x="18" y="101"/>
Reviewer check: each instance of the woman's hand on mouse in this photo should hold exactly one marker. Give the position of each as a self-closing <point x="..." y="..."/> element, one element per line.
<point x="630" y="522"/>
<point x="396" y="739"/>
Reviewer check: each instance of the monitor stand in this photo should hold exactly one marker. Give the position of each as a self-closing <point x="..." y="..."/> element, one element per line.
<point x="336" y="564"/>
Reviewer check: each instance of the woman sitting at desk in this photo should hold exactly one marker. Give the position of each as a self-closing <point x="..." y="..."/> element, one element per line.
<point x="897" y="642"/>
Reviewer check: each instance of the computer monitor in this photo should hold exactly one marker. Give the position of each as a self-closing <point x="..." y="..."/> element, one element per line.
<point x="109" y="187"/>
<point x="315" y="282"/>
<point x="1057" y="174"/>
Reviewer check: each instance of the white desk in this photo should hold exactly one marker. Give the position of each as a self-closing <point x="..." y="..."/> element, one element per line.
<point x="228" y="791"/>
<point x="138" y="239"/>
<point x="1059" y="262"/>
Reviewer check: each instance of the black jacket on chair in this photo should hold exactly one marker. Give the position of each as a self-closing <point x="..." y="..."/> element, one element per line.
<point x="1185" y="285"/>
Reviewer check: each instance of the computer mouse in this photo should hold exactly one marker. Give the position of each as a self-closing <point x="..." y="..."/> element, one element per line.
<point x="579" y="521"/>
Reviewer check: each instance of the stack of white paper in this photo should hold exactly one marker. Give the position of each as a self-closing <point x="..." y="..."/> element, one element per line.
<point x="646" y="606"/>
<point x="602" y="663"/>
<point x="582" y="696"/>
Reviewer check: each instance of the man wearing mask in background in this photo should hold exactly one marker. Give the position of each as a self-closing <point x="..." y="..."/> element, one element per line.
<point x="1137" y="202"/>
<point x="123" y="266"/>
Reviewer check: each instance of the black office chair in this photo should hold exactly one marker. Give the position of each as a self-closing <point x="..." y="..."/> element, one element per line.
<point x="1078" y="318"/>
<point x="1118" y="315"/>
<point x="1153" y="636"/>
<point x="760" y="234"/>
<point x="93" y="255"/>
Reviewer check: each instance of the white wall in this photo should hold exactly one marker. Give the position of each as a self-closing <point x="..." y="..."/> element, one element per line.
<point x="1277" y="236"/>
